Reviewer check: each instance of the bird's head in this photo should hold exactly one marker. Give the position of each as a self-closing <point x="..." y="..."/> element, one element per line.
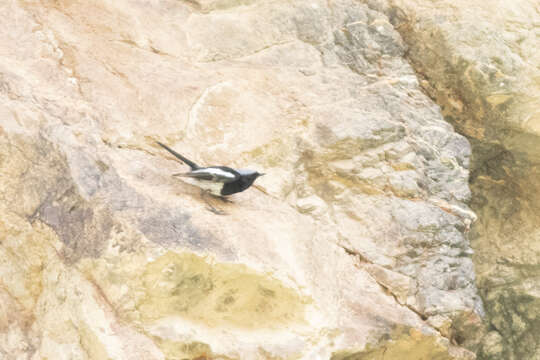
<point x="251" y="175"/>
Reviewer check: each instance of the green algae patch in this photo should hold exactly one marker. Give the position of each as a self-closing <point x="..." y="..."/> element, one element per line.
<point x="175" y="350"/>
<point x="25" y="250"/>
<point x="404" y="344"/>
<point x="270" y="154"/>
<point x="216" y="294"/>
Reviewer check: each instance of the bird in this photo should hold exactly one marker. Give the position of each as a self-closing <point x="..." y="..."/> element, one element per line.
<point x="220" y="181"/>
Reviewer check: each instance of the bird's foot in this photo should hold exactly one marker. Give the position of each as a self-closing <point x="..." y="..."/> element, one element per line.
<point x="225" y="200"/>
<point x="216" y="210"/>
<point x="211" y="207"/>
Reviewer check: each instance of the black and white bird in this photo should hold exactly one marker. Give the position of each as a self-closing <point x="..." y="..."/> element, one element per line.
<point x="219" y="181"/>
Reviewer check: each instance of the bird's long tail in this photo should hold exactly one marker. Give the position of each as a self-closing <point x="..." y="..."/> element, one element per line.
<point x="191" y="164"/>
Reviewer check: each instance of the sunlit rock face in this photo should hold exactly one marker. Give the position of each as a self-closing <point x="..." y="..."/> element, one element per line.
<point x="481" y="63"/>
<point x="353" y="246"/>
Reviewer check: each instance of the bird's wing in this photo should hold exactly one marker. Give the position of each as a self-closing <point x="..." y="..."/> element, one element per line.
<point x="217" y="174"/>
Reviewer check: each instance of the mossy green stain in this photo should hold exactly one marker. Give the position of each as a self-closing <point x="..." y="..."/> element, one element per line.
<point x="215" y="294"/>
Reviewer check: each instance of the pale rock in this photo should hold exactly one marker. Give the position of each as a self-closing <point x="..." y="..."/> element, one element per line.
<point x="404" y="183"/>
<point x="341" y="252"/>
<point x="312" y="204"/>
<point x="399" y="285"/>
<point x="370" y="174"/>
<point x="442" y="323"/>
<point x="343" y="166"/>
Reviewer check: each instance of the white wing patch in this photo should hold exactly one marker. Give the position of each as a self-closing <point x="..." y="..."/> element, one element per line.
<point x="216" y="172"/>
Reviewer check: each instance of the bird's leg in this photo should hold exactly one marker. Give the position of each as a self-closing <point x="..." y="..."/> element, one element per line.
<point x="225" y="200"/>
<point x="210" y="206"/>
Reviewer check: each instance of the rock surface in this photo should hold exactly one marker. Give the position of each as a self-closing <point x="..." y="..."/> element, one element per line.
<point x="481" y="63"/>
<point x="355" y="248"/>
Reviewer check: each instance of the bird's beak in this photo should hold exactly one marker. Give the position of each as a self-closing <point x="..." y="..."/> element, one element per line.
<point x="262" y="174"/>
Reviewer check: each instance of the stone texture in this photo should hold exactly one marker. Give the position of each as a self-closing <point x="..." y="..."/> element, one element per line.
<point x="480" y="62"/>
<point x="354" y="247"/>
